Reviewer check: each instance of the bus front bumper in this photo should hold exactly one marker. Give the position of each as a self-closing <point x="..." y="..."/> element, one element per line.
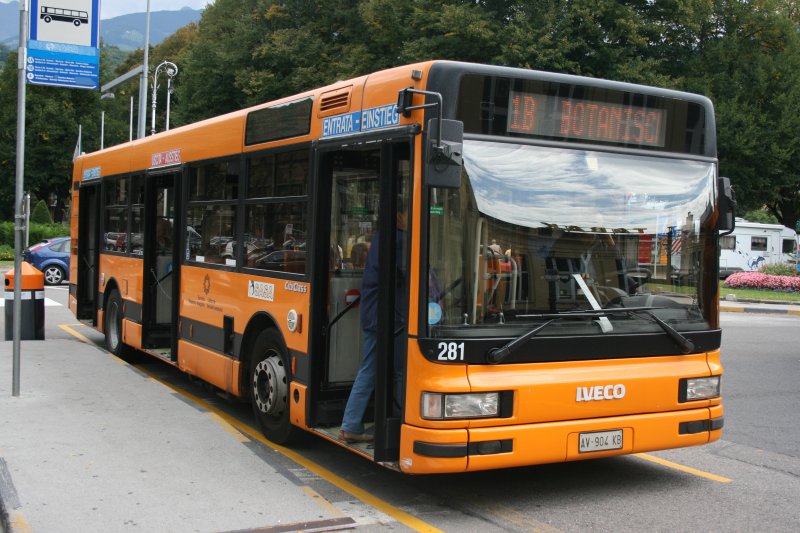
<point x="427" y="451"/>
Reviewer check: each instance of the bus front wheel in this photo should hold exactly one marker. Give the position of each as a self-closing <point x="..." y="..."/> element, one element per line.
<point x="112" y="323"/>
<point x="269" y="387"/>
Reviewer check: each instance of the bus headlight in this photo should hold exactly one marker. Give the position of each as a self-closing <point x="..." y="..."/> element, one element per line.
<point x="438" y="406"/>
<point x="692" y="389"/>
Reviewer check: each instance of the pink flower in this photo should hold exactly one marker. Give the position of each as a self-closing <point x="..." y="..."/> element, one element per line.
<point x="757" y="280"/>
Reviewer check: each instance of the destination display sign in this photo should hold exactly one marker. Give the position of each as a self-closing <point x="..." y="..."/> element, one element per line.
<point x="585" y="120"/>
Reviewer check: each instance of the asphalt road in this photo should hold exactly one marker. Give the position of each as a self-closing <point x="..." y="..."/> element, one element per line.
<point x="748" y="481"/>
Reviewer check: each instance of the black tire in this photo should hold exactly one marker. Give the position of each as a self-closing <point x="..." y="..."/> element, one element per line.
<point x="112" y="323"/>
<point x="76" y="22"/>
<point x="53" y="275"/>
<point x="47" y="19"/>
<point x="268" y="385"/>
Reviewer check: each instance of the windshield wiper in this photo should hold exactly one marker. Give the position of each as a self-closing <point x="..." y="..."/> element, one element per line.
<point x="496" y="355"/>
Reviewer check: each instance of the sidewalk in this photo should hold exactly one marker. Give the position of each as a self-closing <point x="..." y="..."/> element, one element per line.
<point x="94" y="445"/>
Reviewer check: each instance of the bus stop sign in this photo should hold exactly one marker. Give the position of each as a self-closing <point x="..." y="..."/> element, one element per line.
<point x="63" y="44"/>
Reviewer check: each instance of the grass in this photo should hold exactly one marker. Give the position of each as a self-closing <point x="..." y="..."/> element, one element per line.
<point x="755" y="294"/>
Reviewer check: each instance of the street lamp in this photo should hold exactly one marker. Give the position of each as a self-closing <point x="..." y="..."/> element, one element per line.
<point x="170" y="69"/>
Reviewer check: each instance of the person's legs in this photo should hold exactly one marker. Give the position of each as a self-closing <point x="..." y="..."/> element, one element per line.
<point x="352" y="422"/>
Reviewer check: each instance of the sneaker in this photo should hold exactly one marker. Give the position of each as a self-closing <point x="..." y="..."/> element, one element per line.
<point x="355" y="437"/>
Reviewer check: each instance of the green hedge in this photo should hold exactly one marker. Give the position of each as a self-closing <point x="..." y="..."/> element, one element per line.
<point x="37" y="233"/>
<point x="779" y="270"/>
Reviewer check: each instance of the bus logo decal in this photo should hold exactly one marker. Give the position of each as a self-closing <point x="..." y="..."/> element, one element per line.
<point x="600" y="392"/>
<point x="296" y="287"/>
<point x="261" y="290"/>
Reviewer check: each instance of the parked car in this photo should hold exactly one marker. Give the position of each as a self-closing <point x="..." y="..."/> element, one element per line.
<point x="51" y="256"/>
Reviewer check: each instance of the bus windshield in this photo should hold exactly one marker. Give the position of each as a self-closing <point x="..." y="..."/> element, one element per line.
<point x="547" y="230"/>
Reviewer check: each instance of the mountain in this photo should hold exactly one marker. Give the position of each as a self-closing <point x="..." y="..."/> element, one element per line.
<point x="126" y="31"/>
<point x="9" y="24"/>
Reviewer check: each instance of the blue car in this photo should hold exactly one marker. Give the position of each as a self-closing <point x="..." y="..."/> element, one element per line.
<point x="51" y="256"/>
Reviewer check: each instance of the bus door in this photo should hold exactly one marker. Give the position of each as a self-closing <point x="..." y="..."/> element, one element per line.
<point x="88" y="251"/>
<point x="161" y="264"/>
<point x="363" y="194"/>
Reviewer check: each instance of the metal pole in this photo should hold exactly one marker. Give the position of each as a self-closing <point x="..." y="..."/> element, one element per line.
<point x="143" y="79"/>
<point x="19" y="218"/>
<point x="153" y="102"/>
<point x="102" y="128"/>
<point x="130" y="127"/>
<point x="27" y="219"/>
<point x="169" y="92"/>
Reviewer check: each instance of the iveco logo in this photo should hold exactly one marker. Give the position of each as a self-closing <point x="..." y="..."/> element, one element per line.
<point x="600" y="392"/>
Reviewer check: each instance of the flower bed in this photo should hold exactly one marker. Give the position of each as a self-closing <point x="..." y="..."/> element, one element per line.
<point x="767" y="282"/>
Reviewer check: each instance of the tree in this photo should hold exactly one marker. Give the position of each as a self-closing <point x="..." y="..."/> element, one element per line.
<point x="41" y="214"/>
<point x="52" y="119"/>
<point x="747" y="61"/>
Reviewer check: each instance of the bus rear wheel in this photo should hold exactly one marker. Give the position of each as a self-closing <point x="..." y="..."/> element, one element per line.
<point x="112" y="323"/>
<point x="269" y="387"/>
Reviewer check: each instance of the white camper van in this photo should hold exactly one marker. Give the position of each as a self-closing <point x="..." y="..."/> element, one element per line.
<point x="753" y="245"/>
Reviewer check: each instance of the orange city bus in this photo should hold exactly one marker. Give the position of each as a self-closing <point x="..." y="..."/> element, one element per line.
<point x="553" y="296"/>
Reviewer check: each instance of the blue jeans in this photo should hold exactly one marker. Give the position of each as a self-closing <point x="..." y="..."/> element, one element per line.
<point x="364" y="385"/>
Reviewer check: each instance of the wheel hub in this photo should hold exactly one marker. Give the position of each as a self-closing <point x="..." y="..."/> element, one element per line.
<point x="270" y="387"/>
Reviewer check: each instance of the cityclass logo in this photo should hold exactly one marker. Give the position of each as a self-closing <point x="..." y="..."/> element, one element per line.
<point x="600" y="392"/>
<point x="296" y="287"/>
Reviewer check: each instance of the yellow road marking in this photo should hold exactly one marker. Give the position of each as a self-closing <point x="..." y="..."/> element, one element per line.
<point x="17" y="523"/>
<point x="322" y="502"/>
<point x="227" y="427"/>
<point x="386" y="508"/>
<point x="731" y="309"/>
<point x="682" y="468"/>
<point x="68" y="329"/>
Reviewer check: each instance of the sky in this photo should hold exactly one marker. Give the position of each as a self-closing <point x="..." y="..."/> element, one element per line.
<point x="115" y="8"/>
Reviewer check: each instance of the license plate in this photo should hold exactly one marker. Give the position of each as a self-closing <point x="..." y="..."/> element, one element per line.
<point x="598" y="441"/>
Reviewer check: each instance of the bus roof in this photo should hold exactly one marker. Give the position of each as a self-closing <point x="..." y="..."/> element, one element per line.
<point x="225" y="134"/>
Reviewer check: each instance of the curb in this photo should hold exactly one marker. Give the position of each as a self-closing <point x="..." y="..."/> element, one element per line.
<point x="754" y="301"/>
<point x="758" y="310"/>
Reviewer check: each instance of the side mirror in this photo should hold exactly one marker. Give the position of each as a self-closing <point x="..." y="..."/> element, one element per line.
<point x="404" y="99"/>
<point x="445" y="140"/>
<point x="727" y="206"/>
<point x="444" y="150"/>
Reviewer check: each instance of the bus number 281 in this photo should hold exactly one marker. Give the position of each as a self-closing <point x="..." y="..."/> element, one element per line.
<point x="451" y="351"/>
